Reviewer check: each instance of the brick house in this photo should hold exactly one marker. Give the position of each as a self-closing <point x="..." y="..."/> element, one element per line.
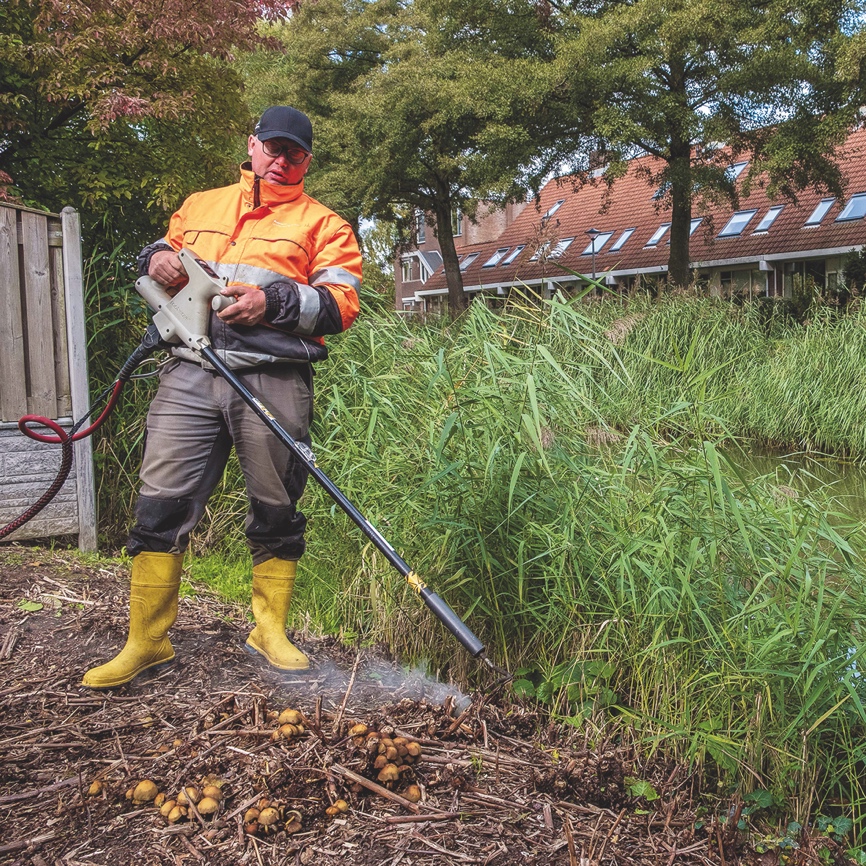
<point x="762" y="248"/>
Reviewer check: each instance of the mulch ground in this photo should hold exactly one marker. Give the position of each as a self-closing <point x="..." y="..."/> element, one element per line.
<point x="499" y="782"/>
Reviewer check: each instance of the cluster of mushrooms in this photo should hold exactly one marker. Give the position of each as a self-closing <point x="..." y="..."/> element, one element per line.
<point x="270" y="816"/>
<point x="388" y="757"/>
<point x="203" y="799"/>
<point x="384" y="757"/>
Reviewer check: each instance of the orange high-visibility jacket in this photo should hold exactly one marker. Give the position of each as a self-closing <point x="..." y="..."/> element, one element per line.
<point x="303" y="255"/>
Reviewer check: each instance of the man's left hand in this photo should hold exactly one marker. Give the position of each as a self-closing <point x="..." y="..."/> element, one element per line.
<point x="248" y="308"/>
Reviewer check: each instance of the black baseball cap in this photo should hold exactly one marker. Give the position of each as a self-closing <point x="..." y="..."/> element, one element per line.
<point x="283" y="121"/>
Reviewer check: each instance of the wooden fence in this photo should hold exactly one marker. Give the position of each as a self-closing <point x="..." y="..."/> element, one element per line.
<point x="43" y="370"/>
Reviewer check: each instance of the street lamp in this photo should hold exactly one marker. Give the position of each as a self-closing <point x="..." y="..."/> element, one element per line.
<point x="593" y="234"/>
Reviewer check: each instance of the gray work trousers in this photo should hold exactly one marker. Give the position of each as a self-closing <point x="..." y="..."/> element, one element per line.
<point x="193" y="422"/>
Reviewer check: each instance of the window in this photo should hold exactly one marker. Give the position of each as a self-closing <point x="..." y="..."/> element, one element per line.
<point x="553" y="209"/>
<point x="620" y="241"/>
<point x="820" y="212"/>
<point x="732" y="172"/>
<point x="420" y="227"/>
<point x="468" y="261"/>
<point x="693" y="226"/>
<point x="596" y="244"/>
<point x="406" y="270"/>
<point x="660" y="233"/>
<point x="540" y="251"/>
<point x="737" y="223"/>
<point x="513" y="254"/>
<point x="662" y="191"/>
<point x="769" y="218"/>
<point x="855" y="209"/>
<point x="496" y="257"/>
<point x="560" y="248"/>
<point x="457" y="223"/>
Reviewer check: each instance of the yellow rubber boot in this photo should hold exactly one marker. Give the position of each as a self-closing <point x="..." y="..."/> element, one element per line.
<point x="273" y="582"/>
<point x="153" y="594"/>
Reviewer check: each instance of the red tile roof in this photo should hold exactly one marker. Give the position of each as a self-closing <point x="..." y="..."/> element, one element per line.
<point x="630" y="204"/>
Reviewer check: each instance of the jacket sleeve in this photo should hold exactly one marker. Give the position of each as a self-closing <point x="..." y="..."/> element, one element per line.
<point x="172" y="241"/>
<point x="146" y="255"/>
<point x="329" y="304"/>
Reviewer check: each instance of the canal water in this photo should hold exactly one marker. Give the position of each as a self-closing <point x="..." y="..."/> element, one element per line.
<point x="809" y="475"/>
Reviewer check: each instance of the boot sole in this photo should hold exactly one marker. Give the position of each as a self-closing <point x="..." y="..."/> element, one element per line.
<point x="253" y="650"/>
<point x="156" y="666"/>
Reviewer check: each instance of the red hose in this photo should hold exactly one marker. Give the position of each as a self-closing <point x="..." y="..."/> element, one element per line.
<point x="65" y="440"/>
<point x="62" y="435"/>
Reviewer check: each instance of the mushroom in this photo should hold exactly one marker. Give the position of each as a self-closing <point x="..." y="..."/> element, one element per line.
<point x="166" y="807"/>
<point x="293" y="824"/>
<point x="388" y="773"/>
<point x="176" y="814"/>
<point x="412" y="793"/>
<point x="188" y="795"/>
<point x="214" y="792"/>
<point x="268" y="817"/>
<point x="95" y="788"/>
<point x="144" y="792"/>
<point x="208" y="806"/>
<point x="290" y="717"/>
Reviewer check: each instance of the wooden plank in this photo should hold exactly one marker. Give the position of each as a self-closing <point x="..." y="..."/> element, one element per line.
<point x="58" y="323"/>
<point x="13" y="387"/>
<point x="73" y="281"/>
<point x="37" y="315"/>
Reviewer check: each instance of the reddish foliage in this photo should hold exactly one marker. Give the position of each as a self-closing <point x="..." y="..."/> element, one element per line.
<point x="127" y="58"/>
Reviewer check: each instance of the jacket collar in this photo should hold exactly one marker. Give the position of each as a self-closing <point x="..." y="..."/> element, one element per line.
<point x="260" y="192"/>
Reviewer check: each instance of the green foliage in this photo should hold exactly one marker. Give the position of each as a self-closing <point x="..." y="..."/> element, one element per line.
<point x="675" y="79"/>
<point x="429" y="105"/>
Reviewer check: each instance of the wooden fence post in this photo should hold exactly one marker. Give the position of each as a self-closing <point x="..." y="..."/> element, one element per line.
<point x="73" y="285"/>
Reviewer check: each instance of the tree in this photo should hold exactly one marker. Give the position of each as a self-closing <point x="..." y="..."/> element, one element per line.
<point x="420" y="107"/>
<point x="121" y="107"/>
<point x="677" y="78"/>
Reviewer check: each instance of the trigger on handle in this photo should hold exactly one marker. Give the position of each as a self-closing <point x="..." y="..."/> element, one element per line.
<point x="220" y="302"/>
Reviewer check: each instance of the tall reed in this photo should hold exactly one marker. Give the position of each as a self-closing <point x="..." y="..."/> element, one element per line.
<point x="554" y="471"/>
<point x="642" y="580"/>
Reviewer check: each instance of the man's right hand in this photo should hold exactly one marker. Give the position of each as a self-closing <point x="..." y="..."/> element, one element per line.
<point x="166" y="269"/>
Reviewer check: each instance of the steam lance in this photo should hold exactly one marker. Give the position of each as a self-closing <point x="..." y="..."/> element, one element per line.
<point x="183" y="318"/>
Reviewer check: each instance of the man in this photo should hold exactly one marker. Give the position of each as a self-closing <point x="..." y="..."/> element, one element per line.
<point x="294" y="269"/>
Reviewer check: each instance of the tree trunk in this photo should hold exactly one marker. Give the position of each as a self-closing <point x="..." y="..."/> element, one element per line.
<point x="680" y="173"/>
<point x="453" y="274"/>
<point x="679" y="271"/>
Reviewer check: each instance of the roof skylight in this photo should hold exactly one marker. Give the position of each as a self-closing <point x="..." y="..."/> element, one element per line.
<point x="597" y="243"/>
<point x="820" y="212"/>
<point x="732" y="172"/>
<point x="659" y="234"/>
<point x="560" y="248"/>
<point x="620" y="241"/>
<point x="553" y="209"/>
<point x="769" y="218"/>
<point x="855" y="209"/>
<point x="496" y="257"/>
<point x="513" y="254"/>
<point x="542" y="250"/>
<point x="737" y="223"/>
<point x="468" y="260"/>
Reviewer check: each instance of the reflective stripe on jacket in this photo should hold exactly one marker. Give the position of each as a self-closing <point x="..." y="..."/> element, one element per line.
<point x="303" y="255"/>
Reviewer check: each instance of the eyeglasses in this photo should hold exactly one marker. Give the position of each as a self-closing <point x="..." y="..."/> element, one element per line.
<point x="294" y="154"/>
